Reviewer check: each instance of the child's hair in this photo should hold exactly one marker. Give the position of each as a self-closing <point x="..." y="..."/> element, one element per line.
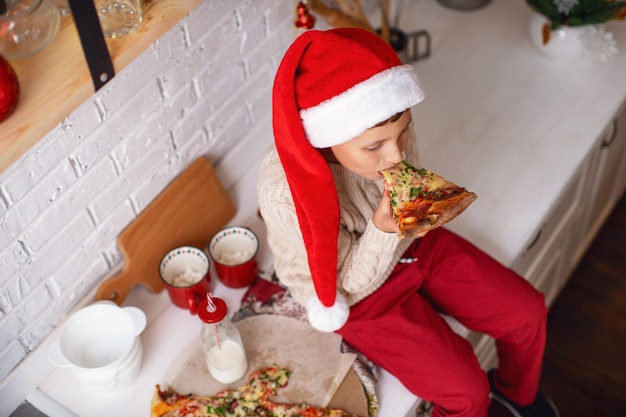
<point x="392" y="119"/>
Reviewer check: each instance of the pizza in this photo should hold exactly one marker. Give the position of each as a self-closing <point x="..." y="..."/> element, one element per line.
<point x="422" y="200"/>
<point x="253" y="399"/>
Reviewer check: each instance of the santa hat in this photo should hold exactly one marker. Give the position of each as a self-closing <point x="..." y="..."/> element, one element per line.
<point x="330" y="87"/>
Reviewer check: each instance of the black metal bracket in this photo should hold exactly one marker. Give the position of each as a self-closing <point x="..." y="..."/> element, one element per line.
<point x="418" y="45"/>
<point x="92" y="40"/>
<point x="410" y="47"/>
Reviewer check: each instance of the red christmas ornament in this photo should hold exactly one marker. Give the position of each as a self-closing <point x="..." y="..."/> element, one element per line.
<point x="304" y="19"/>
<point x="9" y="89"/>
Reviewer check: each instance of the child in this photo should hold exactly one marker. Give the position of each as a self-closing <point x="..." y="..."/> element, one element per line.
<point x="341" y="114"/>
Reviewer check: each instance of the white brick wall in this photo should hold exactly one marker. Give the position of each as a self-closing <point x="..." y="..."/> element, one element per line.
<point x="200" y="90"/>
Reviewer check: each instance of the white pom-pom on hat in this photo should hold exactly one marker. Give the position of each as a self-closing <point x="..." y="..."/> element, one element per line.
<point x="327" y="319"/>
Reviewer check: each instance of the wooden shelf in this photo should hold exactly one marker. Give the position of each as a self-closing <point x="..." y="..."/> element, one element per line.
<point x="56" y="81"/>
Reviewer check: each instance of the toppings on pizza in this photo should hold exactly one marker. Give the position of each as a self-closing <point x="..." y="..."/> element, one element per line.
<point x="251" y="399"/>
<point x="423" y="200"/>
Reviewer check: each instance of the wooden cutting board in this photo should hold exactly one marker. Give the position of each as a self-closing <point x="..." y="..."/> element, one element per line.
<point x="188" y="212"/>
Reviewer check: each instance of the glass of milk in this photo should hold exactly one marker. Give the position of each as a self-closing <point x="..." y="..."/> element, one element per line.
<point x="221" y="342"/>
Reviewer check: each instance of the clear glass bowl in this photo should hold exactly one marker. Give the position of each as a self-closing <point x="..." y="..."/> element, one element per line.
<point x="27" y="27"/>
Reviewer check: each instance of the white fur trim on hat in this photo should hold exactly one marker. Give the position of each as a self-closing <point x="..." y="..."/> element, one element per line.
<point x="361" y="107"/>
<point x="327" y="319"/>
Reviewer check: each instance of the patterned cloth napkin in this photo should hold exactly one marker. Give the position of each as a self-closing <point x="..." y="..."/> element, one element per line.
<point x="267" y="296"/>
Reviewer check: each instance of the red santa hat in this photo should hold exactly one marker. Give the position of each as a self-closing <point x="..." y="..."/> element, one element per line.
<point x="330" y="87"/>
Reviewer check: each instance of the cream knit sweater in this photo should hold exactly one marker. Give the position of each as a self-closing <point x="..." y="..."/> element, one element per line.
<point x="366" y="255"/>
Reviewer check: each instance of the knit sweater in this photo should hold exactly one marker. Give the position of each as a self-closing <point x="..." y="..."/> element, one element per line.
<point x="366" y="255"/>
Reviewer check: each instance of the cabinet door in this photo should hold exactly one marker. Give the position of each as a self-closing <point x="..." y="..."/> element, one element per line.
<point x="547" y="273"/>
<point x="561" y="221"/>
<point x="620" y="138"/>
<point x="608" y="178"/>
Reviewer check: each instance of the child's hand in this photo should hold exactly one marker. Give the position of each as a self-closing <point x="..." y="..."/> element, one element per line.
<point x="383" y="216"/>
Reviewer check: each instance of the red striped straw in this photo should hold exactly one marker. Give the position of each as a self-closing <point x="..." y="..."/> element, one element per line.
<point x="211" y="308"/>
<point x="217" y="337"/>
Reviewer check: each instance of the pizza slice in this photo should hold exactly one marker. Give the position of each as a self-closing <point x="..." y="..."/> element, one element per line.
<point x="253" y="399"/>
<point x="422" y="200"/>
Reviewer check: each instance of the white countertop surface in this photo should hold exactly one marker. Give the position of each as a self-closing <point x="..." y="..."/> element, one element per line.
<point x="169" y="332"/>
<point x="505" y="121"/>
<point x="499" y="118"/>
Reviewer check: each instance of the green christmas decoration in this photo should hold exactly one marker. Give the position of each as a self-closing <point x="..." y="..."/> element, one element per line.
<point x="579" y="12"/>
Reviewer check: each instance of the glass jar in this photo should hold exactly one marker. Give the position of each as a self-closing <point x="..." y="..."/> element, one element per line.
<point x="27" y="27"/>
<point x="221" y="342"/>
<point x="119" y="17"/>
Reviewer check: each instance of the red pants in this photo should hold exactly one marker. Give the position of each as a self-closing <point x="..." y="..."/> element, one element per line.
<point x="399" y="328"/>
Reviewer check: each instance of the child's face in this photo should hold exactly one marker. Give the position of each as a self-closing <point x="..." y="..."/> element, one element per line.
<point x="376" y="149"/>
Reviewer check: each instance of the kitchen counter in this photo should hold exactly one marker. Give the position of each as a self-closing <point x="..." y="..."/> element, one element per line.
<point x="169" y="332"/>
<point x="505" y="121"/>
<point x="499" y="118"/>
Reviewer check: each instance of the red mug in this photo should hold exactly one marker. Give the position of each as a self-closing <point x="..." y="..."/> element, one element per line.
<point x="185" y="272"/>
<point x="233" y="250"/>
